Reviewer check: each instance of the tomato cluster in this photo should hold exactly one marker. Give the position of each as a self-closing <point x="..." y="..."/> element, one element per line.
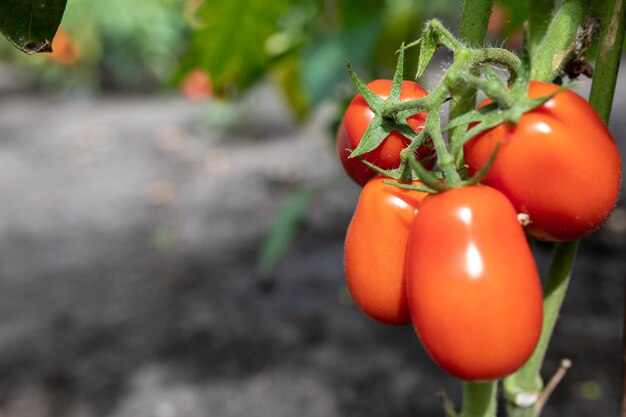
<point x="457" y="264"/>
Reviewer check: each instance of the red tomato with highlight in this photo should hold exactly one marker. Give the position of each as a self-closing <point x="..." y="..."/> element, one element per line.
<point x="559" y="165"/>
<point x="473" y="287"/>
<point x="387" y="156"/>
<point x="375" y="248"/>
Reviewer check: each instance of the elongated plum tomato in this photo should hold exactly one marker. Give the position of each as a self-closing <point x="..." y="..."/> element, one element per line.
<point x="473" y="287"/>
<point x="559" y="165"/>
<point x="387" y="156"/>
<point x="375" y="248"/>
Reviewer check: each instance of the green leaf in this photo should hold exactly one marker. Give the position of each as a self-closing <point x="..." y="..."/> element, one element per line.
<point x="30" y="25"/>
<point x="396" y="85"/>
<point x="407" y="131"/>
<point x="428" y="46"/>
<point x="281" y="234"/>
<point x="395" y="173"/>
<point x="371" y="98"/>
<point x="376" y="132"/>
<point x="231" y="44"/>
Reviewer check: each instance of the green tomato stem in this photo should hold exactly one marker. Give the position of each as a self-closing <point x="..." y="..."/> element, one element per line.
<point x="602" y="93"/>
<point x="524" y="386"/>
<point x="445" y="36"/>
<point x="609" y="54"/>
<point x="417" y="105"/>
<point x="433" y="125"/>
<point x="498" y="56"/>
<point x="479" y="399"/>
<point x="474" y="22"/>
<point x="559" y="42"/>
<point x="539" y="15"/>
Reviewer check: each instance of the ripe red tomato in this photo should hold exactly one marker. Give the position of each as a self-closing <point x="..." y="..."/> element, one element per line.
<point x="375" y="249"/>
<point x="559" y="165"/>
<point x="387" y="156"/>
<point x="473" y="287"/>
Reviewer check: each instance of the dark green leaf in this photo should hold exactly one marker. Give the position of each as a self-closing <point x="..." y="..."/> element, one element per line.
<point x="31" y="24"/>
<point x="396" y="85"/>
<point x="371" y="98"/>
<point x="376" y="132"/>
<point x="429" y="44"/>
<point x="390" y="173"/>
<point x="281" y="233"/>
<point x="408" y="132"/>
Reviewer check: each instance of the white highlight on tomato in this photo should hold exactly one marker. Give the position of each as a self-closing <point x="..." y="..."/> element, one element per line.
<point x="474" y="262"/>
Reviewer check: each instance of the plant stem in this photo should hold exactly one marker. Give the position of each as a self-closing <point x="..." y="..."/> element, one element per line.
<point x="479" y="399"/>
<point x="499" y="56"/>
<point x="559" y="42"/>
<point x="539" y="14"/>
<point x="523" y="387"/>
<point x="601" y="98"/>
<point x="609" y="54"/>
<point x="433" y="125"/>
<point x="474" y="22"/>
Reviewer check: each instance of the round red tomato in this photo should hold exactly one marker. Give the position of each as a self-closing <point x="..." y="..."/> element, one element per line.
<point x="387" y="156"/>
<point x="473" y="287"/>
<point x="375" y="249"/>
<point x="559" y="165"/>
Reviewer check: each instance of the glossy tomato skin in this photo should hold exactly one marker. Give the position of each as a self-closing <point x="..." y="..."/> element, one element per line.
<point x="559" y="165"/>
<point x="357" y="118"/>
<point x="473" y="288"/>
<point x="375" y="248"/>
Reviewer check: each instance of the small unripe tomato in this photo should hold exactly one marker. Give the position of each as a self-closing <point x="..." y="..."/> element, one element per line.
<point x="473" y="288"/>
<point x="375" y="249"/>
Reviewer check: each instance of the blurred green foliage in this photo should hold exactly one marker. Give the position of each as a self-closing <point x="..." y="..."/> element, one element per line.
<point x="121" y="44"/>
<point x="300" y="45"/>
<point x="303" y="44"/>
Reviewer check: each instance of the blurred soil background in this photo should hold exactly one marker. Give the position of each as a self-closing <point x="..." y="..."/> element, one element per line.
<point x="131" y="223"/>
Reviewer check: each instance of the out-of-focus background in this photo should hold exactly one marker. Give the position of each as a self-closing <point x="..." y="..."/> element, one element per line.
<point x="143" y="166"/>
